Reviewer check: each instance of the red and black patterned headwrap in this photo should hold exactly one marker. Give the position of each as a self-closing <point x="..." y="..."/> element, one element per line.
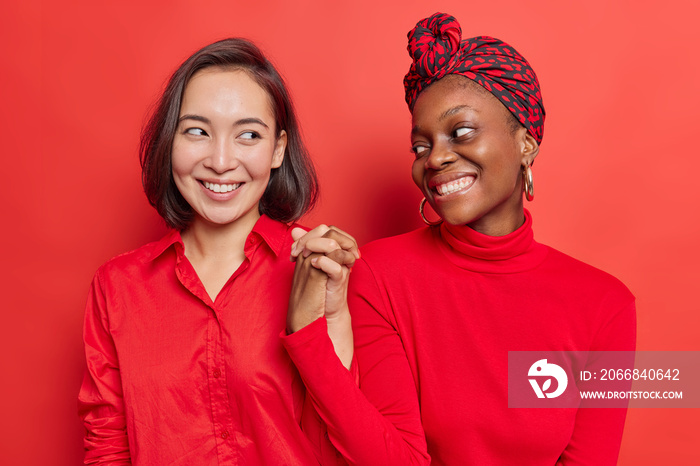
<point x="437" y="50"/>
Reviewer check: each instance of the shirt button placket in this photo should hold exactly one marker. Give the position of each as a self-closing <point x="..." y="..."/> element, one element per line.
<point x="219" y="394"/>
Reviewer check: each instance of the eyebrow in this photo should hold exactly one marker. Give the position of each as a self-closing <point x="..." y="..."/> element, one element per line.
<point x="193" y="117"/>
<point x="447" y="113"/>
<point x="242" y="121"/>
<point x="252" y="120"/>
<point x="453" y="110"/>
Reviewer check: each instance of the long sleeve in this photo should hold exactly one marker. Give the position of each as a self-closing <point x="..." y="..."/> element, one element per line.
<point x="598" y="431"/>
<point x="434" y="315"/>
<point x="101" y="403"/>
<point x="379" y="422"/>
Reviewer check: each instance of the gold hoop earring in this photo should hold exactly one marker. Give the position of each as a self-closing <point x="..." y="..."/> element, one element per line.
<point x="422" y="215"/>
<point x="529" y="188"/>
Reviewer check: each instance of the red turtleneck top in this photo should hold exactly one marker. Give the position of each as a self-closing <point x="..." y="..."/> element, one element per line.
<point x="435" y="312"/>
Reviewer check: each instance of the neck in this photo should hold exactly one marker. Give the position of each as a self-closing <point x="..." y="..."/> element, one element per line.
<point x="205" y="241"/>
<point x="472" y="250"/>
<point x="501" y="221"/>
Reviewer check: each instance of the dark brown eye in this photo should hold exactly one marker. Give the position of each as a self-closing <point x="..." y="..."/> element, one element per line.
<point x="250" y="135"/>
<point x="459" y="132"/>
<point x="196" y="132"/>
<point x="418" y="150"/>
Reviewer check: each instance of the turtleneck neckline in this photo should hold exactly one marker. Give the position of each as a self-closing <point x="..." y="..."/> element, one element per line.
<point x="468" y="249"/>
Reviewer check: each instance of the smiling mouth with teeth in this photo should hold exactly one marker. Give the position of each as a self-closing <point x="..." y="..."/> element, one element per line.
<point x="454" y="186"/>
<point x="221" y="188"/>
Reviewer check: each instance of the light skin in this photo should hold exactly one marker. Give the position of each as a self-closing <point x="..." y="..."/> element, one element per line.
<point x="324" y="257"/>
<point x="224" y="149"/>
<point x="226" y="141"/>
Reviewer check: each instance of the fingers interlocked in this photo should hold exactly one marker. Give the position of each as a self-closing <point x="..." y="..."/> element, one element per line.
<point x="331" y="247"/>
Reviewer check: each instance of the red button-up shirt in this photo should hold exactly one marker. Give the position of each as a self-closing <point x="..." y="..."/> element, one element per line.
<point x="174" y="378"/>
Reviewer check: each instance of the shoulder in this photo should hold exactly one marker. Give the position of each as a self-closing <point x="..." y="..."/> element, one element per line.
<point x="410" y="246"/>
<point x="606" y="306"/>
<point x="137" y="260"/>
<point x="395" y="259"/>
<point x="585" y="276"/>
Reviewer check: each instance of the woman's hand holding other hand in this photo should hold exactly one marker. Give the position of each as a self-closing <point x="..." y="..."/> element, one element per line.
<point x="324" y="257"/>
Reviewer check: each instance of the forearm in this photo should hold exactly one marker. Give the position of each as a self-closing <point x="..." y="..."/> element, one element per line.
<point x="598" y="431"/>
<point x="101" y="408"/>
<point x="360" y="432"/>
<point x="100" y="400"/>
<point x="340" y="333"/>
<point x="596" y="438"/>
<point x="106" y="446"/>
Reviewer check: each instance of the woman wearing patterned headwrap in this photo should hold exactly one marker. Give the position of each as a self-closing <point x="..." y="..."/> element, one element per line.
<point x="436" y="311"/>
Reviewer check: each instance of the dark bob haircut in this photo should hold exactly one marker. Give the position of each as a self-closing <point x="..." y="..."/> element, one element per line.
<point x="293" y="188"/>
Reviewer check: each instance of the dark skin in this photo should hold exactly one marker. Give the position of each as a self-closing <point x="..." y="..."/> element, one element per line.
<point x="469" y="157"/>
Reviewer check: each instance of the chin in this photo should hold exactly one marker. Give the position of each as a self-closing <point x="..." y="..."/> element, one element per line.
<point x="458" y="217"/>
<point x="227" y="216"/>
<point x="219" y="218"/>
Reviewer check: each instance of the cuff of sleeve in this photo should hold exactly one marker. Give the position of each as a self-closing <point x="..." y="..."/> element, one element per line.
<point x="310" y="342"/>
<point x="315" y="329"/>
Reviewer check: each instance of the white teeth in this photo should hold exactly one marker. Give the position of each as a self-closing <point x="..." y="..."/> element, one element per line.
<point x="221" y="188"/>
<point x="454" y="186"/>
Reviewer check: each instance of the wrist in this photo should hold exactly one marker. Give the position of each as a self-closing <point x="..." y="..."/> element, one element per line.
<point x="339" y="318"/>
<point x="297" y="323"/>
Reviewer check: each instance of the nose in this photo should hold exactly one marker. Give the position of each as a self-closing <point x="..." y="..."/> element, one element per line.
<point x="222" y="157"/>
<point x="440" y="156"/>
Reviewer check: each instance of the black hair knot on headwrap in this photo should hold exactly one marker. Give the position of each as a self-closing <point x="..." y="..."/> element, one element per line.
<point x="436" y="49"/>
<point x="433" y="43"/>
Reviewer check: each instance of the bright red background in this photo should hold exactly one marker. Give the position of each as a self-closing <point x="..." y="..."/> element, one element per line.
<point x="616" y="179"/>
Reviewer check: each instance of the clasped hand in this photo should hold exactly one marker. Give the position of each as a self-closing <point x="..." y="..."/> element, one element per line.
<point x="323" y="258"/>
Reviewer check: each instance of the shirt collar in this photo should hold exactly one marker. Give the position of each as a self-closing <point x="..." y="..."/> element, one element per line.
<point x="159" y="247"/>
<point x="272" y="232"/>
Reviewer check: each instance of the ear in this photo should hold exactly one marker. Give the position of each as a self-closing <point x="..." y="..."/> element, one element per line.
<point x="529" y="149"/>
<point x="280" y="147"/>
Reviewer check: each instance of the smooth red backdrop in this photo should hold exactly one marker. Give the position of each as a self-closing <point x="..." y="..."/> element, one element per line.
<point x="616" y="179"/>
